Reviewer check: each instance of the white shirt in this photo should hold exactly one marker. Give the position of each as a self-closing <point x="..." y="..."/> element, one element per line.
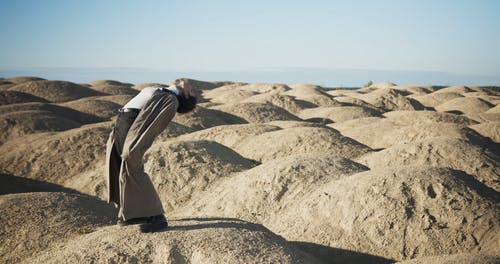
<point x="143" y="97"/>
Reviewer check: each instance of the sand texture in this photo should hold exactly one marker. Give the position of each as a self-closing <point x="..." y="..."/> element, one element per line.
<point x="258" y="173"/>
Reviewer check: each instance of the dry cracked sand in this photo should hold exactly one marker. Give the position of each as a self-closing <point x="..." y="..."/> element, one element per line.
<point x="258" y="173"/>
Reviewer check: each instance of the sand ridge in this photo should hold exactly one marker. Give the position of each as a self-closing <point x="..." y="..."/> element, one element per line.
<point x="259" y="172"/>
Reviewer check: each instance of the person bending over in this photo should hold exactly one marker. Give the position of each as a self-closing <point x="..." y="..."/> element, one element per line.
<point x="138" y="123"/>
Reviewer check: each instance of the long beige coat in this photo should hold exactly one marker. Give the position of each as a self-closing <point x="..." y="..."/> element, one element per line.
<point x="129" y="187"/>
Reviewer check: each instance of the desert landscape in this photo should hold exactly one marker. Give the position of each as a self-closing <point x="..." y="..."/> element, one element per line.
<point x="258" y="173"/>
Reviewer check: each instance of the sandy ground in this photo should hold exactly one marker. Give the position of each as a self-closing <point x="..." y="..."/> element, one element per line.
<point x="258" y="173"/>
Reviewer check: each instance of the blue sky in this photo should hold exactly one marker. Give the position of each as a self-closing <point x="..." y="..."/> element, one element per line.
<point x="453" y="37"/>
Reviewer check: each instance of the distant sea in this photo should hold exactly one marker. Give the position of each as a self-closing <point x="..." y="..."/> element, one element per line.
<point x="324" y="77"/>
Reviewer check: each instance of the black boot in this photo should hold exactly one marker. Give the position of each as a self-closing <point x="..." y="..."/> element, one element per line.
<point x="154" y="224"/>
<point x="132" y="221"/>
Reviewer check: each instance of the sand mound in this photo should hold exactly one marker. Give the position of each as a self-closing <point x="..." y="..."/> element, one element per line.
<point x="342" y="92"/>
<point x="456" y="258"/>
<point x="14" y="97"/>
<point x="412" y="212"/>
<point x="488" y="129"/>
<point x="414" y="89"/>
<point x="494" y="110"/>
<point x="413" y="117"/>
<point x="189" y="240"/>
<point x="376" y="86"/>
<point x="460" y="89"/>
<point x="38" y="156"/>
<point x="268" y="189"/>
<point x="338" y="114"/>
<point x="90" y="181"/>
<point x="399" y="214"/>
<point x="291" y="124"/>
<point x="17" y="124"/>
<point x="383" y="85"/>
<point x="62" y="111"/>
<point x="485" y="117"/>
<point x="492" y="99"/>
<point x="173" y="130"/>
<point x="228" y="94"/>
<point x="179" y="169"/>
<point x="383" y="133"/>
<point x="32" y="222"/>
<point x="303" y="86"/>
<point x="465" y="105"/>
<point x="391" y="99"/>
<point x="97" y="106"/>
<point x="311" y="94"/>
<point x="23" y="79"/>
<point x="297" y="140"/>
<point x="351" y="101"/>
<point x="202" y="118"/>
<point x="265" y="87"/>
<point x="325" y="100"/>
<point x="440" y="152"/>
<point x="286" y="102"/>
<point x="352" y="124"/>
<point x="434" y="99"/>
<point x="257" y="112"/>
<point x="112" y="87"/>
<point x="383" y="183"/>
<point x="230" y="135"/>
<point x="55" y="91"/>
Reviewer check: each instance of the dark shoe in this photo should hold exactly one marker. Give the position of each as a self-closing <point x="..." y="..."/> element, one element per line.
<point x="132" y="221"/>
<point x="154" y="224"/>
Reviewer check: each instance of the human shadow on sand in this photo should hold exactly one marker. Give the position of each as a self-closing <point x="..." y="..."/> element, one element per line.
<point x="323" y="253"/>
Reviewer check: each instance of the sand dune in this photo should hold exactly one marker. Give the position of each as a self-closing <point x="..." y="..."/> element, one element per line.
<point x="446" y="152"/>
<point x="37" y="221"/>
<point x="15" y="97"/>
<point x="277" y="185"/>
<point x="23" y="79"/>
<point x="38" y="156"/>
<point x="258" y="173"/>
<point x="97" y="106"/>
<point x="20" y="123"/>
<point x="257" y="112"/>
<point x="435" y="99"/>
<point x="202" y="118"/>
<point x="458" y="89"/>
<point x="112" y="87"/>
<point x="180" y="169"/>
<point x="391" y="99"/>
<point x="488" y="129"/>
<point x="55" y="91"/>
<point x="338" y="114"/>
<point x="296" y="140"/>
<point x="412" y="117"/>
<point x="465" y="105"/>
<point x="287" y="102"/>
<point x="233" y="93"/>
<point x="230" y="135"/>
<point x="418" y="211"/>
<point x="415" y="89"/>
<point x="193" y="240"/>
<point x="386" y="133"/>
